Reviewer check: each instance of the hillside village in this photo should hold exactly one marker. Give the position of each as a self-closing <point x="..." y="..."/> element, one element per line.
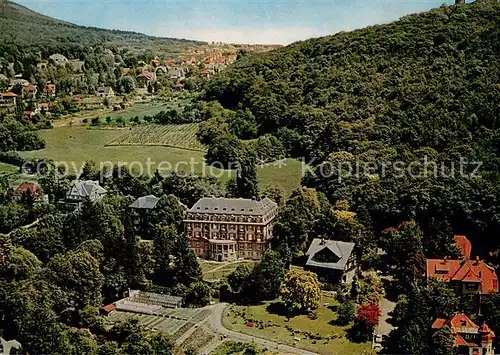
<point x="165" y="196"/>
<point x="58" y="85"/>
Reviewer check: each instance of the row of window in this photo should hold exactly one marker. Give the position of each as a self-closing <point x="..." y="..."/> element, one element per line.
<point x="242" y="254"/>
<point x="230" y="218"/>
<point x="224" y="227"/>
<point x="241" y="246"/>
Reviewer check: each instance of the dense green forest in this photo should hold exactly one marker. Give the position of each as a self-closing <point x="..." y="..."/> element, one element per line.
<point x="24" y="31"/>
<point x="424" y="87"/>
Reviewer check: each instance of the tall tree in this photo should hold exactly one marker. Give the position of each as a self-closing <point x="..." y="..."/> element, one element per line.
<point x="78" y="274"/>
<point x="247" y="182"/>
<point x="443" y="342"/>
<point x="175" y="262"/>
<point x="264" y="282"/>
<point x="300" y="290"/>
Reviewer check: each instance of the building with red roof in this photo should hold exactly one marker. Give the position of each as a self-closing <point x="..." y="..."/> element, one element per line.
<point x="27" y="188"/>
<point x="145" y="77"/>
<point x="108" y="309"/>
<point x="466" y="275"/>
<point x="205" y="73"/>
<point x="7" y="99"/>
<point x="29" y="92"/>
<point x="464" y="245"/>
<point x="49" y="89"/>
<point x="469" y="338"/>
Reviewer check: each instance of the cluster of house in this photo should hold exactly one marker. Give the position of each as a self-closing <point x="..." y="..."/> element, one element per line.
<point x="468" y="277"/>
<point x="212" y="59"/>
<point x="29" y="92"/>
<point x="227" y="229"/>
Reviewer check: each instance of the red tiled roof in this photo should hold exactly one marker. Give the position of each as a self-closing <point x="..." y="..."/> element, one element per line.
<point x="204" y="72"/>
<point x="464" y="245"/>
<point x="27" y="186"/>
<point x="438" y="323"/>
<point x="146" y="74"/>
<point x="459" y="341"/>
<point x="464" y="271"/>
<point x="109" y="308"/>
<point x="461" y="324"/>
<point x="9" y="94"/>
<point x="29" y="88"/>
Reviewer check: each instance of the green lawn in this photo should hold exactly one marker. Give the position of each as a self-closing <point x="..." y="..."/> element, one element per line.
<point x="14" y="177"/>
<point x="276" y="329"/>
<point x="139" y="109"/>
<point x="8" y="169"/>
<point x="213" y="270"/>
<point x="77" y="144"/>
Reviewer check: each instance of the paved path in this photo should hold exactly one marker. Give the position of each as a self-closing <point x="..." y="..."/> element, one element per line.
<point x="35" y="222"/>
<point x="215" y="323"/>
<point x="386" y="307"/>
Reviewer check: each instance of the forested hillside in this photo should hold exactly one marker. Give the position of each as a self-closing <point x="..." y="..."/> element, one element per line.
<point x="424" y="87"/>
<point x="24" y="31"/>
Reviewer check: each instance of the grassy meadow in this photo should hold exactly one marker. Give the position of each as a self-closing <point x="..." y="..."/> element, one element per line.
<point x="213" y="270"/>
<point x="77" y="144"/>
<point x="271" y="314"/>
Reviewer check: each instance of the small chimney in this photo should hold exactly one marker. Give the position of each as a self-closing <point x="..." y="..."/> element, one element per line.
<point x="322" y="241"/>
<point x="477" y="260"/>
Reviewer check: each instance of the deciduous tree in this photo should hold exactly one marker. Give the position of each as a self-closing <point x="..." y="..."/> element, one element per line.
<point x="300" y="290"/>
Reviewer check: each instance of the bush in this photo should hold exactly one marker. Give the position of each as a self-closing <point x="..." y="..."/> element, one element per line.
<point x="346" y="312"/>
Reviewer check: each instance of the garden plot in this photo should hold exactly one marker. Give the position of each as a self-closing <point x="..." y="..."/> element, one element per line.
<point x="175" y="321"/>
<point x="177" y="136"/>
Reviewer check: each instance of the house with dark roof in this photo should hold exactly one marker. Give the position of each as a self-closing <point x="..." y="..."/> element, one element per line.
<point x="333" y="261"/>
<point x="225" y="229"/>
<point x="82" y="191"/>
<point x="468" y="276"/>
<point x="468" y="337"/>
<point x="140" y="211"/>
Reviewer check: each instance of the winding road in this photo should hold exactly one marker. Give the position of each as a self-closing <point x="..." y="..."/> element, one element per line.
<point x="214" y="322"/>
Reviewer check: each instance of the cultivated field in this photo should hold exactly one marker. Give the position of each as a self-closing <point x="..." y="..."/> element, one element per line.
<point x="175" y="322"/>
<point x="177" y="136"/>
<point x="78" y="144"/>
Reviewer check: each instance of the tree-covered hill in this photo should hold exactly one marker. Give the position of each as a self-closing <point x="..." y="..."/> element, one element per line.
<point x="427" y="85"/>
<point x="25" y="31"/>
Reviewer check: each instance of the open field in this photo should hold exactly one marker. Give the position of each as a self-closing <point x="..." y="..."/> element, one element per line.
<point x="139" y="109"/>
<point x="213" y="270"/>
<point x="176" y="136"/>
<point x="77" y="144"/>
<point x="7" y="169"/>
<point x="14" y="177"/>
<point x="276" y="327"/>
